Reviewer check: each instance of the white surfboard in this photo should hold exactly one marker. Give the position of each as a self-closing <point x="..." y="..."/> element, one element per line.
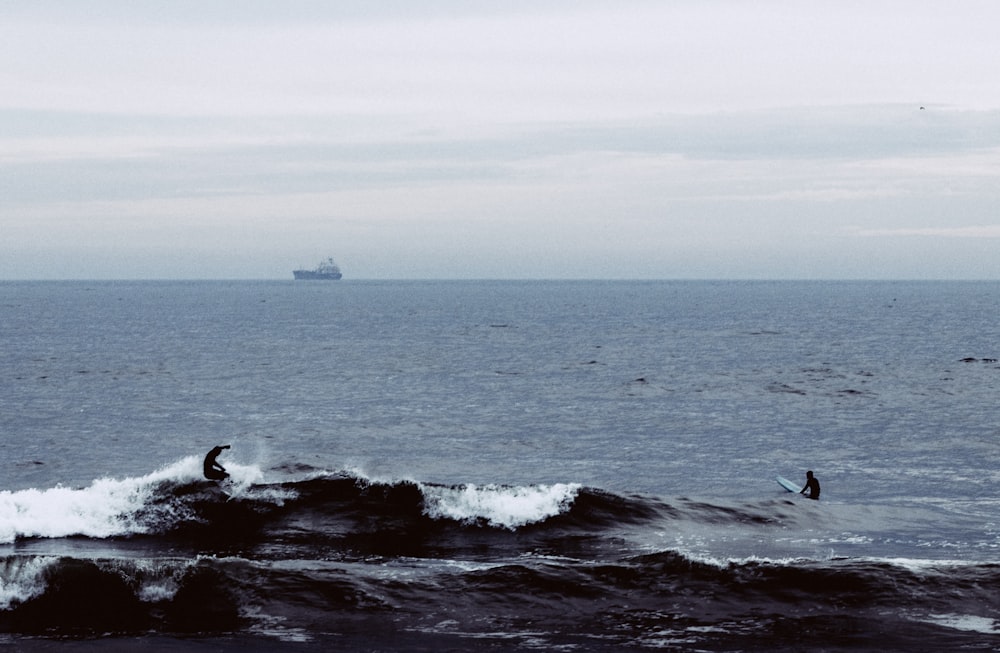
<point x="788" y="485"/>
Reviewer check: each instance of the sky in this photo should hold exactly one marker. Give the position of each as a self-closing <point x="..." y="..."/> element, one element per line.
<point x="463" y="139"/>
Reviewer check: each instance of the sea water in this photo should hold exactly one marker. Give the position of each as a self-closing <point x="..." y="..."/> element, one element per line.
<point x="519" y="465"/>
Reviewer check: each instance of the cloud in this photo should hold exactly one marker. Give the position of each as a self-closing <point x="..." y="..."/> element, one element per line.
<point x="667" y="138"/>
<point x="556" y="61"/>
<point x="977" y="232"/>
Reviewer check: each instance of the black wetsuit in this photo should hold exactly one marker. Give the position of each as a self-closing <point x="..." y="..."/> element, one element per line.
<point x="213" y="470"/>
<point x="813" y="486"/>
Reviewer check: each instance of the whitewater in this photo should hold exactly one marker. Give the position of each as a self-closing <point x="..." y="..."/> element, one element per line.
<point x="131" y="506"/>
<point x="515" y="465"/>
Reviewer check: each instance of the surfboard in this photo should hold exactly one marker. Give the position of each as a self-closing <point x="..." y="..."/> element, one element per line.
<point x="225" y="487"/>
<point x="788" y="485"/>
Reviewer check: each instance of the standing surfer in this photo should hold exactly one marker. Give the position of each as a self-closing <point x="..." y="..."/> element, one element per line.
<point x="216" y="472"/>
<point x="812" y="484"/>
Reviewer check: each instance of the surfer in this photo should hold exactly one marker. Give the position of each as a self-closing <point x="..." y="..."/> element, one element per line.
<point x="812" y="484"/>
<point x="213" y="470"/>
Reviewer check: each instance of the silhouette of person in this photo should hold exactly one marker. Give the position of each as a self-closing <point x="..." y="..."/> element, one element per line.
<point x="812" y="484"/>
<point x="213" y="470"/>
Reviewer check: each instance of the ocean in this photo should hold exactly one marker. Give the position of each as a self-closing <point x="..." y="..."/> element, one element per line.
<point x="499" y="465"/>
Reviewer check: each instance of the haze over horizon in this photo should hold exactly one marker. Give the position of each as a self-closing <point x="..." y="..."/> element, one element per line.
<point x="533" y="140"/>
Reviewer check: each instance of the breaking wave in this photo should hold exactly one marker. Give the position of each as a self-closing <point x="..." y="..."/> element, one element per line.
<point x="176" y="497"/>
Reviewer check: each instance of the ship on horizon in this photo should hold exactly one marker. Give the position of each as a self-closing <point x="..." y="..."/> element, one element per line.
<point x="325" y="271"/>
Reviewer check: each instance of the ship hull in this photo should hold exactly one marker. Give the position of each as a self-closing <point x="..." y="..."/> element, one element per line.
<point x="310" y="275"/>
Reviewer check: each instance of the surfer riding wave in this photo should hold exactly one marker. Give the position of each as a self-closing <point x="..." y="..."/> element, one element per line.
<point x="213" y="470"/>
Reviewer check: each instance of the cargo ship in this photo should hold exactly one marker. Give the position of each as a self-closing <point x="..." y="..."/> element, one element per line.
<point x="325" y="271"/>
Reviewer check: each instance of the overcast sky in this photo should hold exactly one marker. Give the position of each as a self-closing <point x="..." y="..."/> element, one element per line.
<point x="519" y="139"/>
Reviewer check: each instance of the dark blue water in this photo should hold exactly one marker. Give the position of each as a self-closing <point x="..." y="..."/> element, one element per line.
<point x="506" y="465"/>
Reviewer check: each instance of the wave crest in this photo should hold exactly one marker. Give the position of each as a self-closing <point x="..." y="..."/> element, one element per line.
<point x="500" y="506"/>
<point x="107" y="507"/>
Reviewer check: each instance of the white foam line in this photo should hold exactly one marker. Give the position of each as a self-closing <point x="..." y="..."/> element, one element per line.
<point x="501" y="506"/>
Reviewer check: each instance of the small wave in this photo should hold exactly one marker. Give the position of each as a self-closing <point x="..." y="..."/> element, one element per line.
<point x="497" y="505"/>
<point x="108" y="507"/>
<point x="21" y="579"/>
<point x="966" y="623"/>
<point x="74" y="596"/>
<point x="104" y="509"/>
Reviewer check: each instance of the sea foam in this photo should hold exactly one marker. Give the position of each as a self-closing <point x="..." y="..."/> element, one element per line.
<point x="21" y="579"/>
<point x="499" y="505"/>
<point x="106" y="508"/>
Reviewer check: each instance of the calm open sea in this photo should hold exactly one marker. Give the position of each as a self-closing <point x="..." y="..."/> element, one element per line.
<point x="499" y="465"/>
